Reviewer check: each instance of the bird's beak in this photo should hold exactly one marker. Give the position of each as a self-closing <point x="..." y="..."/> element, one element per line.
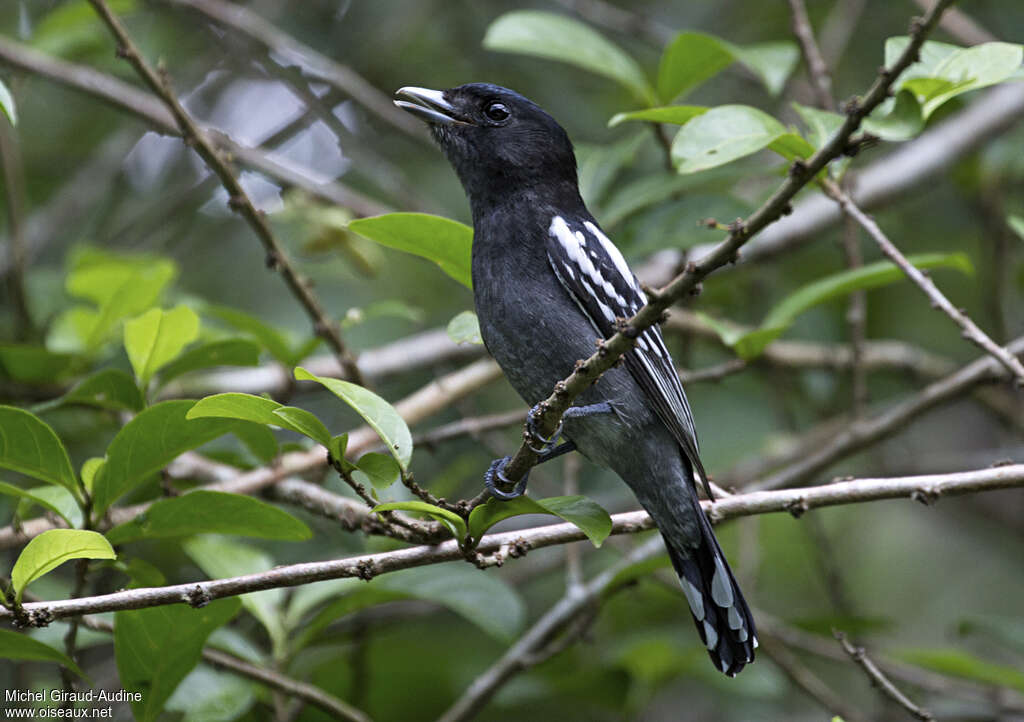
<point x="428" y="105"/>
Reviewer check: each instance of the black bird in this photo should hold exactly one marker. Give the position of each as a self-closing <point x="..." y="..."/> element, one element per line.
<point x="547" y="282"/>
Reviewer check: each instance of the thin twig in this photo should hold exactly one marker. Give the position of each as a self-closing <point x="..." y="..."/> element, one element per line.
<point x="839" y="28"/>
<point x="856" y="320"/>
<point x="433" y="397"/>
<point x="126" y="97"/>
<point x="620" y="20"/>
<point x="238" y="199"/>
<point x="14" y="190"/>
<point x="1008" y="701"/>
<point x="524" y="653"/>
<point x="275" y="680"/>
<point x="852" y="437"/>
<point x="573" y="559"/>
<point x="961" y="26"/>
<point x="821" y="81"/>
<point x="970" y="330"/>
<point x="879" y="680"/>
<point x="611" y="349"/>
<point x="315" y="64"/>
<point x="925" y="488"/>
<point x="804" y="677"/>
<point x="909" y="167"/>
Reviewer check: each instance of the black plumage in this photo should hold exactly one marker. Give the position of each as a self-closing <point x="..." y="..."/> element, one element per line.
<point x="548" y="282"/>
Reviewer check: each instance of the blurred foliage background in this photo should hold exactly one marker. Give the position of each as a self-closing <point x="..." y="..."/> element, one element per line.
<point x="936" y="591"/>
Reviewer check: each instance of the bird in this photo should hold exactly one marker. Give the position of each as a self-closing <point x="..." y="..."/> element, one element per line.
<point x="548" y="284"/>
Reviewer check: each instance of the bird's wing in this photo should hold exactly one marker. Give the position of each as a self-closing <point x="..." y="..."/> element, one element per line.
<point x="595" y="274"/>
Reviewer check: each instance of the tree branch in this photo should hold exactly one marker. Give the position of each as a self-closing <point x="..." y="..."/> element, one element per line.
<point x="143" y="105"/>
<point x="821" y="81"/>
<point x="907" y="168"/>
<point x="865" y="431"/>
<point x="611" y="349"/>
<point x="268" y="678"/>
<point x="880" y="681"/>
<point x="927" y="488"/>
<point x="523" y="653"/>
<point x="238" y="199"/>
<point x="313" y="63"/>
<point x="426" y="401"/>
<point x="938" y="300"/>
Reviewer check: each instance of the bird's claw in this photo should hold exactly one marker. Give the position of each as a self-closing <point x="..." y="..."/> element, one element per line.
<point x="537" y="442"/>
<point x="494" y="474"/>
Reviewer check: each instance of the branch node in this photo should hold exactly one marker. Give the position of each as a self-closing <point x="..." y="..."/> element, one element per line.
<point x="197" y="597"/>
<point x="797" y="507"/>
<point x="926" y="495"/>
<point x="366" y="570"/>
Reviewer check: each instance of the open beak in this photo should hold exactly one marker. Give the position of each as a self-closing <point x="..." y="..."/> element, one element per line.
<point x="428" y="105"/>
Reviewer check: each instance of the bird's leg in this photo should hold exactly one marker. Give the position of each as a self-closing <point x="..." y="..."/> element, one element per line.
<point x="494" y="472"/>
<point x="541" y="444"/>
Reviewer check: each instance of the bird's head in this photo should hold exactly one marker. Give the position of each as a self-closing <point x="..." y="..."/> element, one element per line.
<point x="497" y="140"/>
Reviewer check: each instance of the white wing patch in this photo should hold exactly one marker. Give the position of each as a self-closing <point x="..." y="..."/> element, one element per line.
<point x="595" y="274"/>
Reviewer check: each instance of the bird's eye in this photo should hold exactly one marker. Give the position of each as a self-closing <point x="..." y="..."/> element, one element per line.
<point x="497" y="112"/>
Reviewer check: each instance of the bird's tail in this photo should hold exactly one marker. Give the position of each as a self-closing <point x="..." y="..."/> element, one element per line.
<point x="723" y="618"/>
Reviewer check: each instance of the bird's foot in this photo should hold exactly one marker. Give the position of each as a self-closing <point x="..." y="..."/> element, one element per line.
<point x="494" y="476"/>
<point x="534" y="439"/>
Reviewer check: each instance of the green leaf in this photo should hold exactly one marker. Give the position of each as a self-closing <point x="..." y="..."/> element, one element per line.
<point x="20" y="646"/>
<point x="72" y="28"/>
<point x="7" y="104"/>
<point x="52" y="548"/>
<point x="749" y="344"/>
<point x="378" y="413"/>
<point x="957" y="70"/>
<point x="452" y="521"/>
<point x="211" y="512"/>
<point x="773" y="63"/>
<point x="42" y="500"/>
<point x="1016" y="223"/>
<point x="29" y="446"/>
<point x="956" y="663"/>
<point x="33" y="364"/>
<point x="380" y="470"/>
<point x="600" y="163"/>
<point x="866" y="277"/>
<point x="483" y="599"/>
<point x="561" y="38"/>
<point x="1003" y="630"/>
<point x="111" y="389"/>
<point x="441" y="240"/>
<point x="142" y="573"/>
<point x="465" y="328"/>
<point x="262" y="411"/>
<point x="226" y="352"/>
<point x="896" y="119"/>
<point x="728" y="132"/>
<point x="147" y="443"/>
<point x="689" y="60"/>
<point x="677" y="114"/>
<point x="267" y="336"/>
<point x="155" y="338"/>
<point x="51" y="495"/>
<point x="303" y="422"/>
<point x="219" y="557"/>
<point x="585" y="513"/>
<point x="207" y="695"/>
<point x="692" y="58"/>
<point x="822" y="124"/>
<point x="120" y="286"/>
<point x="157" y="647"/>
